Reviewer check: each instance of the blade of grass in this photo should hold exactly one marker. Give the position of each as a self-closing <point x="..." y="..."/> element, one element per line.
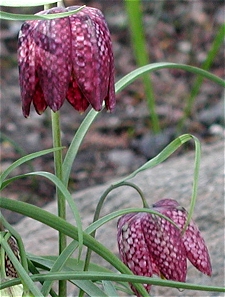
<point x="124" y="278"/>
<point x="134" y="12"/>
<point x="25" y="159"/>
<point x="26" y="17"/>
<point x="58" y="183"/>
<point x="68" y="229"/>
<point x="120" y="85"/>
<point x="216" y="45"/>
<point x="25" y="3"/>
<point x="130" y="77"/>
<point x="25" y="278"/>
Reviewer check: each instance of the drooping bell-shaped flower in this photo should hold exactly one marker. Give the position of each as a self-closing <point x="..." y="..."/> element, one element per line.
<point x="133" y="247"/>
<point x="66" y="58"/>
<point x="196" y="249"/>
<point x="149" y="244"/>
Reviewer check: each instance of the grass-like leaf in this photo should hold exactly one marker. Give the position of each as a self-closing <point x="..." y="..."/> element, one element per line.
<point x="65" y="263"/>
<point x="134" y="279"/>
<point x="211" y="55"/>
<point x="25" y="159"/>
<point x="120" y="85"/>
<point x="164" y="154"/>
<point x="68" y="229"/>
<point x="136" y="28"/>
<point x="25" y="3"/>
<point x="54" y="179"/>
<point x="25" y="278"/>
<point x="27" y="17"/>
<point x="127" y="79"/>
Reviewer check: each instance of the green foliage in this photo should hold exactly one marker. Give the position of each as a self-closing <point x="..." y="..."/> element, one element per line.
<point x="27" y="17"/>
<point x="97" y="281"/>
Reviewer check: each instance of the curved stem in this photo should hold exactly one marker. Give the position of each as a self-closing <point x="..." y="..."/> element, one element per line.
<point x="97" y="214"/>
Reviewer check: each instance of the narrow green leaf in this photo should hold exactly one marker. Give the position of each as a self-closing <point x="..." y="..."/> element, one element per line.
<point x="136" y="28"/>
<point x="89" y="288"/>
<point x="25" y="3"/>
<point x="134" y="279"/>
<point x="68" y="229"/>
<point x="127" y="79"/>
<point x="47" y="262"/>
<point x="162" y="156"/>
<point x="58" y="265"/>
<point x="58" y="183"/>
<point x="24" y="160"/>
<point x="103" y="220"/>
<point x="75" y="144"/>
<point x="65" y="263"/>
<point x="15" y="234"/>
<point x="25" y="278"/>
<point x="27" y="17"/>
<point x="109" y="289"/>
<point x="119" y="86"/>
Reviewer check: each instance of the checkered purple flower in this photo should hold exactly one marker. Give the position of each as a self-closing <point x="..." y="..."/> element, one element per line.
<point x="66" y="58"/>
<point x="149" y="244"/>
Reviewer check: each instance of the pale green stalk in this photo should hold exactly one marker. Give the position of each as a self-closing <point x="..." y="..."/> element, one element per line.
<point x="56" y="135"/>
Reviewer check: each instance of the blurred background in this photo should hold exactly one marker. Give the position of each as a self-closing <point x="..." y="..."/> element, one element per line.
<point x="119" y="142"/>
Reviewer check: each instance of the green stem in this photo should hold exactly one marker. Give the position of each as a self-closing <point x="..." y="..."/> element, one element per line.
<point x="56" y="136"/>
<point x="97" y="215"/>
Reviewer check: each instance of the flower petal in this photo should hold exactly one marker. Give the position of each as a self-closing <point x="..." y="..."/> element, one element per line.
<point x="38" y="99"/>
<point x="26" y="63"/>
<point x="92" y="56"/>
<point x="196" y="249"/>
<point x="132" y="246"/>
<point x="195" y="246"/>
<point x="53" y="58"/>
<point x="166" y="247"/>
<point x="76" y="97"/>
<point x="107" y="58"/>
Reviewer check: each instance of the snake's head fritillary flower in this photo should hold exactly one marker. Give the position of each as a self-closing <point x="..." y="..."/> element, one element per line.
<point x="133" y="247"/>
<point x="196" y="249"/>
<point x="8" y="270"/>
<point x="150" y="244"/>
<point x="66" y="58"/>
